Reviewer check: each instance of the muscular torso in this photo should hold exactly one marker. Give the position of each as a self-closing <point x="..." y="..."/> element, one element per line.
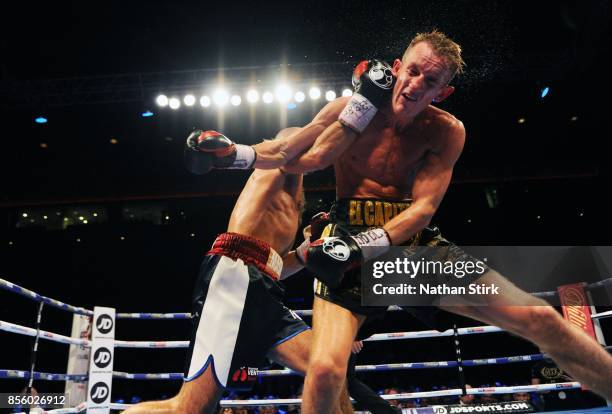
<point x="268" y="208"/>
<point x="383" y="161"/>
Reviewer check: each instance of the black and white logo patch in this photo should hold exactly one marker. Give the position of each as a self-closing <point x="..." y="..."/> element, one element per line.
<point x="381" y="75"/>
<point x="337" y="249"/>
<point x="99" y="392"/>
<point x="104" y="323"/>
<point x="102" y="357"/>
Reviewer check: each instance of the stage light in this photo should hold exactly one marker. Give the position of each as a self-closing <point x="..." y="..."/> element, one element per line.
<point x="189" y="100"/>
<point x="299" y="96"/>
<point x="205" y="101"/>
<point x="146" y="114"/>
<point x="174" y="103"/>
<point x="283" y="93"/>
<point x="314" y="93"/>
<point x="41" y="120"/>
<point x="544" y="92"/>
<point x="161" y="100"/>
<point x="330" y="95"/>
<point x="291" y="105"/>
<point x="267" y="97"/>
<point x="235" y="100"/>
<point x="347" y="92"/>
<point x="220" y="97"/>
<point x="252" y="96"/>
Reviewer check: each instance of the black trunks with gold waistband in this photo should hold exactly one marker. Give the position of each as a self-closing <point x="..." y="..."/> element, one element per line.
<point x="350" y="216"/>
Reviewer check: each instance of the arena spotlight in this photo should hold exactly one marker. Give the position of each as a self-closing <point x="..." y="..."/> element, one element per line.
<point x="221" y="97"/>
<point x="347" y="92"/>
<point x="40" y="120"/>
<point x="330" y="95"/>
<point x="283" y="93"/>
<point x="205" y="101"/>
<point x="235" y="100"/>
<point x="147" y="114"/>
<point x="174" y="103"/>
<point x="544" y="92"/>
<point x="189" y="100"/>
<point x="252" y="96"/>
<point x="161" y="100"/>
<point x="314" y="93"/>
<point x="267" y="97"/>
<point x="299" y="96"/>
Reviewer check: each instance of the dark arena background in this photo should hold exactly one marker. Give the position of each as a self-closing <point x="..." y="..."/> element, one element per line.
<point x="97" y="207"/>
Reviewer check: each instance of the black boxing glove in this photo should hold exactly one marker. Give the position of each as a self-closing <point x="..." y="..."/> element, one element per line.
<point x="205" y="150"/>
<point x="330" y="257"/>
<point x="373" y="82"/>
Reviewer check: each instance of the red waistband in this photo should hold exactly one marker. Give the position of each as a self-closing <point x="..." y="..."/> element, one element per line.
<point x="250" y="250"/>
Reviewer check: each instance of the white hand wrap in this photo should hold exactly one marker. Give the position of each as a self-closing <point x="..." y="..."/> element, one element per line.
<point x="245" y="157"/>
<point x="376" y="237"/>
<point x="357" y="113"/>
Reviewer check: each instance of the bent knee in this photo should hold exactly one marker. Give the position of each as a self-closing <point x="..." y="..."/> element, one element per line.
<point x="327" y="370"/>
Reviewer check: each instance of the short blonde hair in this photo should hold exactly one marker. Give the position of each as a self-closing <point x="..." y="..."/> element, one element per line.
<point x="442" y="46"/>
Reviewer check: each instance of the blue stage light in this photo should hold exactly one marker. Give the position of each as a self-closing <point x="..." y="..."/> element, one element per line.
<point x="41" y="120"/>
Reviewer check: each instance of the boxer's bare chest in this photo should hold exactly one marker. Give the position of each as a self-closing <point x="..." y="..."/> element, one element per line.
<point x="384" y="161"/>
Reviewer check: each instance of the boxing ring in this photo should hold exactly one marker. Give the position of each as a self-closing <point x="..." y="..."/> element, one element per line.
<point x="38" y="334"/>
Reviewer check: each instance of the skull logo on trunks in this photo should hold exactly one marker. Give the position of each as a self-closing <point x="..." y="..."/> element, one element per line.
<point x="337" y="249"/>
<point x="381" y="75"/>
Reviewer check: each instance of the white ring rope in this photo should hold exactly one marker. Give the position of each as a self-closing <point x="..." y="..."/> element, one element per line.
<point x="24" y="330"/>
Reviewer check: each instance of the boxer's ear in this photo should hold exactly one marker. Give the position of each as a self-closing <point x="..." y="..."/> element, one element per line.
<point x="444" y="93"/>
<point x="397" y="65"/>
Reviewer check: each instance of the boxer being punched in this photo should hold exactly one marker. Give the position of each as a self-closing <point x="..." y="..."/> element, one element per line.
<point x="239" y="315"/>
<point x="393" y="155"/>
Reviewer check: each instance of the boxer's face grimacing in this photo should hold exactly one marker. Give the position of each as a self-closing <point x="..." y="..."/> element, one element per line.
<point x="422" y="77"/>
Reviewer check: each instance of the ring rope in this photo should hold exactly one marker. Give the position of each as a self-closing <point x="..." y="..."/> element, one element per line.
<point x="54" y="337"/>
<point x="24" y="330"/>
<point x="286" y="372"/>
<point x="5" y="284"/>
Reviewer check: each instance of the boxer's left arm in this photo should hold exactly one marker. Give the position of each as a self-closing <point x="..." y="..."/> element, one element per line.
<point x="279" y="152"/>
<point x="429" y="187"/>
<point x="328" y="146"/>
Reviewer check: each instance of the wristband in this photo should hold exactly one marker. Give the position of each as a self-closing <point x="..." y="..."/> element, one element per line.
<point x="245" y="157"/>
<point x="376" y="237"/>
<point x="357" y="113"/>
